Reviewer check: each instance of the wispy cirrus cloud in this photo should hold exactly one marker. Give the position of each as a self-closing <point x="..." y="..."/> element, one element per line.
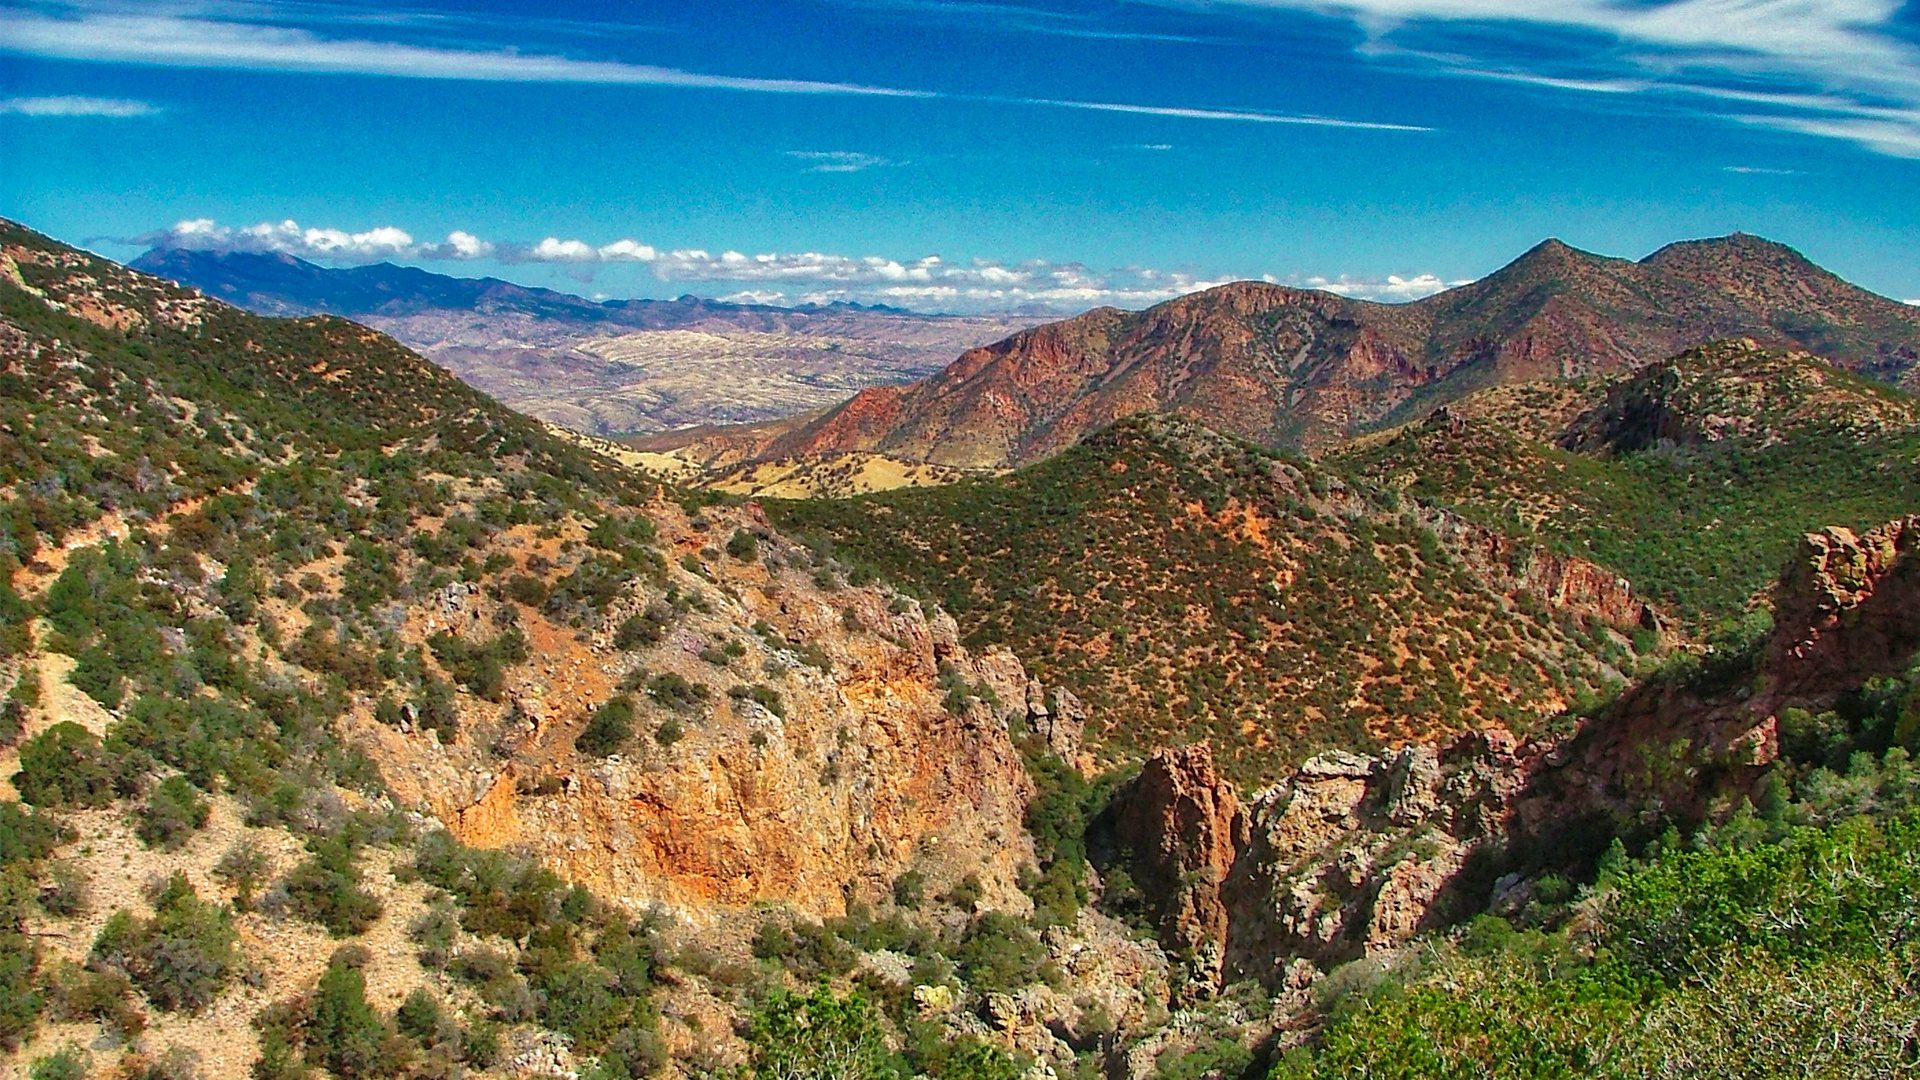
<point x="841" y="161"/>
<point x="171" y="40"/>
<point x="116" y="108"/>
<point x="250" y="41"/>
<point x="1244" y="116"/>
<point x="929" y="282"/>
<point x="1836" y="69"/>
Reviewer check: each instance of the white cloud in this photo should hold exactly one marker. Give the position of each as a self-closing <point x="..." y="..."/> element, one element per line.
<point x="465" y="245"/>
<point x="1247" y="116"/>
<point x="330" y="245"/>
<point x="1837" y="69"/>
<point x="840" y="161"/>
<point x="1892" y="136"/>
<point x="1392" y="289"/>
<point x="176" y="40"/>
<point x="929" y="282"/>
<point x="119" y="108"/>
<point x="756" y="296"/>
<point x="554" y="249"/>
<point x="179" y="41"/>
<point x="1759" y="170"/>
<point x="628" y="250"/>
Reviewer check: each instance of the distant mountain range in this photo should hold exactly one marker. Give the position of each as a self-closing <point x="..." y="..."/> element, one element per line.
<point x="609" y="366"/>
<point x="274" y="283"/>
<point x="1293" y="367"/>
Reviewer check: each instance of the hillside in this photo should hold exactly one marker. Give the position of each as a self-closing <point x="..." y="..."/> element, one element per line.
<point x="1506" y="558"/>
<point x="1186" y="585"/>
<point x="1690" y="477"/>
<point x="602" y="367"/>
<point x="1290" y="367"/>
<point x="353" y="726"/>
<point x="318" y="665"/>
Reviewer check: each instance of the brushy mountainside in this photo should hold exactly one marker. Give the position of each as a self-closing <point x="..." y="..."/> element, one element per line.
<point x="292" y="617"/>
<point x="1293" y="367"/>
<point x="1691" y="477"/>
<point x="354" y="726"/>
<point x="1187" y="585"/>
<point x="1512" y="556"/>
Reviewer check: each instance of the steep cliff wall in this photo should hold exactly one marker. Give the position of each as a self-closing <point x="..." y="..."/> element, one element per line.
<point x="882" y="744"/>
<point x="1353" y="854"/>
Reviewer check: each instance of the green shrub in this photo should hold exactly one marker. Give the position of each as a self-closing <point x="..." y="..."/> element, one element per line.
<point x="909" y="889"/>
<point x="762" y="695"/>
<point x="65" y="766"/>
<point x="675" y="692"/>
<point x="28" y="834"/>
<point x="647" y="628"/>
<point x="480" y="667"/>
<point x="181" y="958"/>
<point x="807" y="949"/>
<point x="66" y="1063"/>
<point x="20" y="999"/>
<point x="818" y="1034"/>
<point x="67" y="890"/>
<point x="580" y="1000"/>
<point x="997" y="953"/>
<point x="421" y="1016"/>
<point x="743" y="545"/>
<point x="326" y="889"/>
<point x="173" y="813"/>
<point x="344" y="1033"/>
<point x="243" y="867"/>
<point x="530" y="591"/>
<point x="608" y="729"/>
<point x="75" y="993"/>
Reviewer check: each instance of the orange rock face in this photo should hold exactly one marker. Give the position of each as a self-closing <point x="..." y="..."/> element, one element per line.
<point x="859" y="764"/>
<point x="1184" y="828"/>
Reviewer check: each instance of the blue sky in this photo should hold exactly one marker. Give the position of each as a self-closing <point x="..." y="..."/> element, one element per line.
<point x="965" y="156"/>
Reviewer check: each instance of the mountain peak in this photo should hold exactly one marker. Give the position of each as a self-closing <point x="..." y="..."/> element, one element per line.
<point x="1733" y="246"/>
<point x="1553" y="252"/>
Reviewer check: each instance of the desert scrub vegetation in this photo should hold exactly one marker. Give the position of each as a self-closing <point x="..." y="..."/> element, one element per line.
<point x="181" y="958"/>
<point x="1697" y="522"/>
<point x="608" y="729"/>
<point x="1186" y="585"/>
<point x="272" y="498"/>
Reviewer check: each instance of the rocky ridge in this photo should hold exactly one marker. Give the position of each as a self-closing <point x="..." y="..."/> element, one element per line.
<point x="1293" y="367"/>
<point x="1354" y="855"/>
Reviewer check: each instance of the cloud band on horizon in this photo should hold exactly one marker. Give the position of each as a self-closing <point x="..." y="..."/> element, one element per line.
<point x="929" y="282"/>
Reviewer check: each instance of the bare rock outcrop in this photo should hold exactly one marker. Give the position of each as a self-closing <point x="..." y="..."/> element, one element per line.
<point x="1184" y="827"/>
<point x="811" y="765"/>
<point x="1355" y="854"/>
<point x="1845" y="609"/>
